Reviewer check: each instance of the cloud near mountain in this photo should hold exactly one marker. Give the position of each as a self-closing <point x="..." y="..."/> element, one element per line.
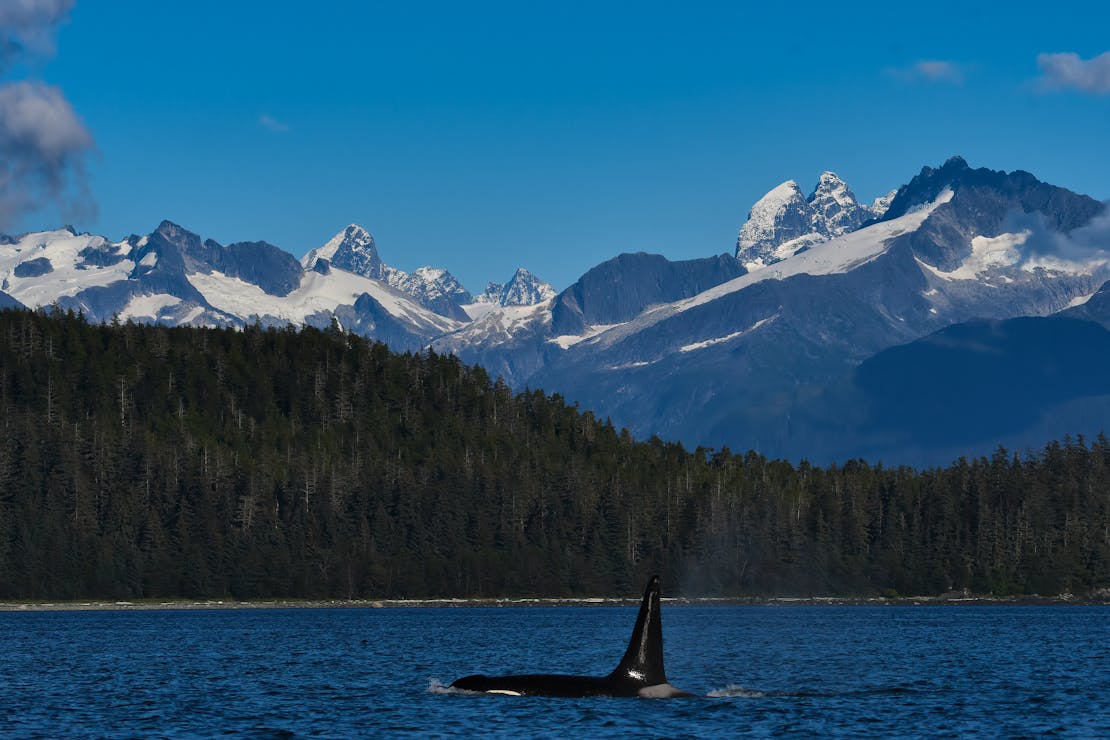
<point x="1068" y="71"/>
<point x="44" y="146"/>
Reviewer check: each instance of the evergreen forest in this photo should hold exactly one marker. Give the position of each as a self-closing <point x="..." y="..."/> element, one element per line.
<point x="141" y="461"/>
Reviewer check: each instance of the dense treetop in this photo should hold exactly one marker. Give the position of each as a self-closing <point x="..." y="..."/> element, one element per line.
<point x="145" y="461"/>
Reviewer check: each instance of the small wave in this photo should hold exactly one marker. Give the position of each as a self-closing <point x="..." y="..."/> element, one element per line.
<point x="732" y="690"/>
<point x="435" y="686"/>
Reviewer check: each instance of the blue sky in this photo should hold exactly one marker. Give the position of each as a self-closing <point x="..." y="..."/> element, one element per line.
<point x="483" y="136"/>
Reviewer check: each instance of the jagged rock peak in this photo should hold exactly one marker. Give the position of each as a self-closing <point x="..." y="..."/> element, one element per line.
<point x="956" y="162"/>
<point x="780" y="215"/>
<point x="835" y="208"/>
<point x="428" y="284"/>
<point x="981" y="190"/>
<point x="168" y="232"/>
<point x="171" y="231"/>
<point x="881" y="205"/>
<point x="525" y="289"/>
<point x="779" y="224"/>
<point x="830" y="185"/>
<point x="783" y="222"/>
<point x="354" y="238"/>
<point x="352" y="249"/>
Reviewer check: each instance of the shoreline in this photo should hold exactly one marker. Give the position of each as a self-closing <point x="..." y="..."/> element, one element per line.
<point x="231" y="604"/>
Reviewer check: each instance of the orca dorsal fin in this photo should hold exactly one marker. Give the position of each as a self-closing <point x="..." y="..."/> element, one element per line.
<point x="643" y="661"/>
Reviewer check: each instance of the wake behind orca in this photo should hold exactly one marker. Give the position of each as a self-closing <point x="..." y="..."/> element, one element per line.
<point x="640" y="672"/>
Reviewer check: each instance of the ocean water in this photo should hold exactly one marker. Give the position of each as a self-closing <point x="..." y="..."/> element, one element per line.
<point x="791" y="671"/>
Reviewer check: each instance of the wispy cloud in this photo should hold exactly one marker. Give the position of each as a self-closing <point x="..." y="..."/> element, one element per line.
<point x="272" y="124"/>
<point x="931" y="70"/>
<point x="44" y="146"/>
<point x="1067" y="71"/>
<point x="43" y="149"/>
<point x="27" y="27"/>
<point x="1044" y="244"/>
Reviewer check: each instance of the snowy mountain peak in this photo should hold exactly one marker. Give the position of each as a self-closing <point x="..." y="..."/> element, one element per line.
<point x="525" y="289"/>
<point x="835" y="208"/>
<point x="830" y="182"/>
<point x="774" y="227"/>
<point x="779" y="196"/>
<point x="176" y="235"/>
<point x="430" y="274"/>
<point x="831" y="189"/>
<point x="352" y="249"/>
<point x="881" y="205"/>
<point x="955" y="173"/>
<point x="784" y="223"/>
<point x="433" y="287"/>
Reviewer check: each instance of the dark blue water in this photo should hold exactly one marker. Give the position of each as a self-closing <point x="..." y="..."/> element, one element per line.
<point x="771" y="671"/>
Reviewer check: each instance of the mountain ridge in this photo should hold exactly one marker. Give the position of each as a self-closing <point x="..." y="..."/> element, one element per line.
<point x="708" y="350"/>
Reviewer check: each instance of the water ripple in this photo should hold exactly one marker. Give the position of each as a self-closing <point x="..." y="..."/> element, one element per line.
<point x="789" y="672"/>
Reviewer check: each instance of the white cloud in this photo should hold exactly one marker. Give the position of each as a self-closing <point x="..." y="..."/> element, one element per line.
<point x="1067" y="71"/>
<point x="936" y="70"/>
<point x="931" y="70"/>
<point x="272" y="124"/>
<point x="43" y="151"/>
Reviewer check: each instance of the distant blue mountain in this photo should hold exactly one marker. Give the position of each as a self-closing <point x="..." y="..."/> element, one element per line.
<point x="978" y="384"/>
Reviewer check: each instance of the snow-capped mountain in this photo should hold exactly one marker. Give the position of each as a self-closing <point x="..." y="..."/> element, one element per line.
<point x="517" y="341"/>
<point x="523" y="289"/>
<point x="784" y="222"/>
<point x="787" y="352"/>
<point x="713" y="355"/>
<point x="354" y="250"/>
<point x="434" y="288"/>
<point x="172" y="276"/>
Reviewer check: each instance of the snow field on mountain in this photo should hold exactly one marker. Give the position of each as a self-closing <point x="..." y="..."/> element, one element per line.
<point x="834" y="256"/>
<point x="315" y="293"/>
<point x="503" y="322"/>
<point x="150" y="307"/>
<point x="63" y="250"/>
<point x="727" y="338"/>
<point x="566" y="341"/>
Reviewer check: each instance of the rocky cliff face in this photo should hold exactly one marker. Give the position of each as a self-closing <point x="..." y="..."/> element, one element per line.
<point x="352" y="249"/>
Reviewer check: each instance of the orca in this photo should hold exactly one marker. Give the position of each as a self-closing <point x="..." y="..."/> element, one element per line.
<point x="640" y="672"/>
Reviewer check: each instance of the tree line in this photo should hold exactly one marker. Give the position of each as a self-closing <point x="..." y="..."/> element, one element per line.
<point x="141" y="461"/>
